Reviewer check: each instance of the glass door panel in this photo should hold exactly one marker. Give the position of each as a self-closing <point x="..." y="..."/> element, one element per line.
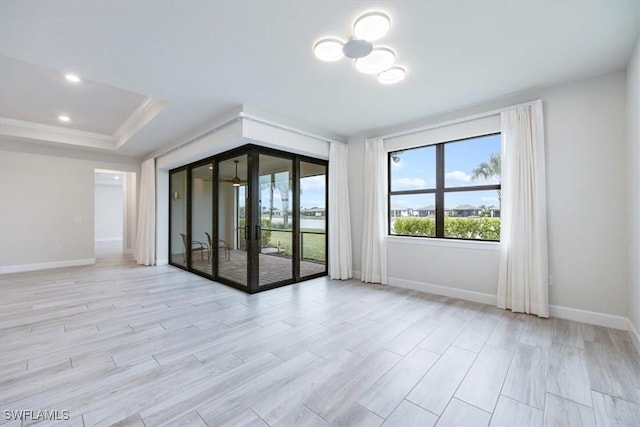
<point x="275" y="208"/>
<point x="313" y="219"/>
<point x="178" y="213"/>
<point x="233" y="220"/>
<point x="201" y="221"/>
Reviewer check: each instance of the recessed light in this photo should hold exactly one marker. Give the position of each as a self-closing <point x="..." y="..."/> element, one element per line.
<point x="72" y="78"/>
<point x="210" y="168"/>
<point x="116" y="177"/>
<point x="64" y="118"/>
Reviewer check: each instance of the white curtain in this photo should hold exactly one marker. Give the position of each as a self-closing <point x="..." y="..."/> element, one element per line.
<point x="145" y="253"/>
<point x="374" y="250"/>
<point x="340" y="262"/>
<point x="523" y="280"/>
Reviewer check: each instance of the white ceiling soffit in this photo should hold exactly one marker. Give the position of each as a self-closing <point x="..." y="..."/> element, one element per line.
<point x="207" y="57"/>
<point x="102" y="117"/>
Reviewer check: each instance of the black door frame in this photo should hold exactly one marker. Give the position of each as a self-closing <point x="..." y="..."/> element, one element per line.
<point x="253" y="229"/>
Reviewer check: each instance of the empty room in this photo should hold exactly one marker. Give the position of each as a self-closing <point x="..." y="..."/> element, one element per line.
<point x="319" y="213"/>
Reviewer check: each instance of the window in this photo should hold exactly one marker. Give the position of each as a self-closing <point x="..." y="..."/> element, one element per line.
<point x="447" y="190"/>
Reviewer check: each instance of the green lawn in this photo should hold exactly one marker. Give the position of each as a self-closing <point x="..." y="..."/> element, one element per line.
<point x="313" y="244"/>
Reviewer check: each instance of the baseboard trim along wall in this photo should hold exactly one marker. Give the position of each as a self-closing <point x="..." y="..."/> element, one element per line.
<point x="45" y="265"/>
<point x="591" y="317"/>
<point x="635" y="336"/>
<point x="443" y="290"/>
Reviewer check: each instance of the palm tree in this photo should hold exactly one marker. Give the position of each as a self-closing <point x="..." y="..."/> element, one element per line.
<point x="490" y="169"/>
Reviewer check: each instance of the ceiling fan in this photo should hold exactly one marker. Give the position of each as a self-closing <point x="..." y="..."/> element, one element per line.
<point x="235" y="181"/>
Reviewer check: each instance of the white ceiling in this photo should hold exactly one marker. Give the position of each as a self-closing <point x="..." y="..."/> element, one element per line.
<point x="39" y="95"/>
<point x="205" y="58"/>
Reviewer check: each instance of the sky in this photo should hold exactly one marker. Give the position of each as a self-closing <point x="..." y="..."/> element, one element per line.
<point x="312" y="194"/>
<point x="416" y="170"/>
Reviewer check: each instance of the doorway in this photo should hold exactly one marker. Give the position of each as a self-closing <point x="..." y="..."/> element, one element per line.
<point x="114" y="212"/>
<point x="253" y="218"/>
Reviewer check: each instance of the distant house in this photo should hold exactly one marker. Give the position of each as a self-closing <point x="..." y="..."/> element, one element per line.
<point x="315" y="211"/>
<point x="465" y="211"/>
<point x="398" y="211"/>
<point x="495" y="212"/>
<point x="426" y="211"/>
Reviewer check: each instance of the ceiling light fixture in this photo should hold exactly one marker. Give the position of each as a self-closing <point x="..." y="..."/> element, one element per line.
<point x="369" y="59"/>
<point x="236" y="181"/>
<point x="391" y="75"/>
<point x="372" y="26"/>
<point x="72" y="78"/>
<point x="64" y="119"/>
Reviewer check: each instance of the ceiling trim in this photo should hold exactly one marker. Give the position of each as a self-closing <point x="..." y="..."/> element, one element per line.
<point x="59" y="134"/>
<point x="142" y="115"/>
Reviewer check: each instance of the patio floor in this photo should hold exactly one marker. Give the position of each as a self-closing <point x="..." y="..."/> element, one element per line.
<point x="273" y="268"/>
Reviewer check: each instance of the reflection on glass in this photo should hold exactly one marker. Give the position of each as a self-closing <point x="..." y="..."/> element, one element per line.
<point x="413" y="215"/>
<point x="472" y="215"/>
<point x="275" y="204"/>
<point x="178" y="184"/>
<point x="473" y="161"/>
<point x="413" y="169"/>
<point x="232" y="219"/>
<point x="201" y="206"/>
<point x="313" y="218"/>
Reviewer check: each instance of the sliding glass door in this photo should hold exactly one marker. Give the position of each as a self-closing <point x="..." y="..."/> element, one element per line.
<point x="313" y="219"/>
<point x="252" y="218"/>
<point x="233" y="221"/>
<point x="275" y="220"/>
<point x="201" y="217"/>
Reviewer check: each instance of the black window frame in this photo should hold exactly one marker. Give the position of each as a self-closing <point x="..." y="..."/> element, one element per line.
<point x="439" y="190"/>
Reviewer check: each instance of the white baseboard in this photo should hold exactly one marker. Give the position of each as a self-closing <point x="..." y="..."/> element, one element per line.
<point x="633" y="332"/>
<point x="109" y="239"/>
<point x="7" y="269"/>
<point x="591" y="317"/>
<point x="444" y="290"/>
<point x="162" y="261"/>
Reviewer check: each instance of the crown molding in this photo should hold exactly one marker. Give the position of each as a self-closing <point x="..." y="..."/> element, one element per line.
<point x="59" y="134"/>
<point x="142" y="115"/>
<point x="145" y="112"/>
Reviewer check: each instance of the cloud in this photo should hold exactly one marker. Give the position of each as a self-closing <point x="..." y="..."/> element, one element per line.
<point x="459" y="176"/>
<point x="407" y="183"/>
<point x="312" y="182"/>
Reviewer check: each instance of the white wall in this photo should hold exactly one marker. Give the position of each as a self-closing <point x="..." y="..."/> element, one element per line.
<point x="47" y="204"/>
<point x="633" y="166"/>
<point x="109" y="209"/>
<point x="234" y="135"/>
<point x="586" y="179"/>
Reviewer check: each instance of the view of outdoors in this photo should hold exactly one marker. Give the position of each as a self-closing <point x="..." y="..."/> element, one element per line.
<point x="276" y="204"/>
<point x="469" y="213"/>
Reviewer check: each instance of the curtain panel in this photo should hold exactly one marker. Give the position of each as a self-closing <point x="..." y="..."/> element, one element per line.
<point x="374" y="250"/>
<point x="523" y="271"/>
<point x="145" y="252"/>
<point x="340" y="256"/>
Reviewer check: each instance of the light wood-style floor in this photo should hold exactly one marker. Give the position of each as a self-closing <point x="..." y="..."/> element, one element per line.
<point x="119" y="343"/>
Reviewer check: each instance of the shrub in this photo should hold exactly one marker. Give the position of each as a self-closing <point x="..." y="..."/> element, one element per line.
<point x="463" y="228"/>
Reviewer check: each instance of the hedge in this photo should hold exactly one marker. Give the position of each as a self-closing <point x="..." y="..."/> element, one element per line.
<point x="464" y="228"/>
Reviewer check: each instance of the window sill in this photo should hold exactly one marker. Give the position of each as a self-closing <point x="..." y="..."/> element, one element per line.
<point x="447" y="243"/>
